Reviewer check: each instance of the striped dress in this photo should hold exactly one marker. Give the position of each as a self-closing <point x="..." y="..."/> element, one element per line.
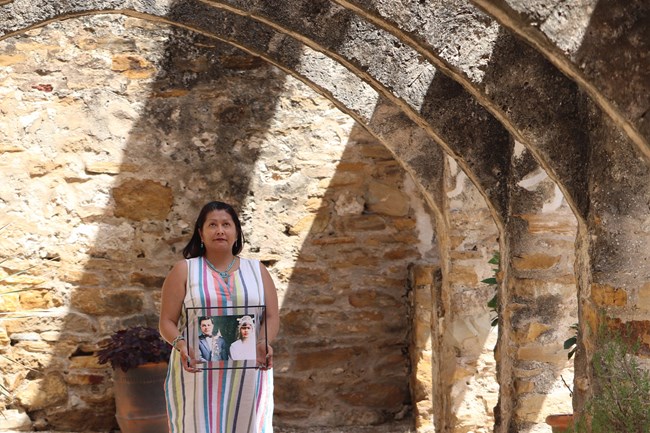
<point x="228" y="400"/>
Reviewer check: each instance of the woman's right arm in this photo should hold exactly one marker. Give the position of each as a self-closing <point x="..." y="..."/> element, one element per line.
<point x="173" y="294"/>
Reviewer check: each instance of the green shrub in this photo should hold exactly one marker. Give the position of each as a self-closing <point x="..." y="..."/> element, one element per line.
<point x="621" y="399"/>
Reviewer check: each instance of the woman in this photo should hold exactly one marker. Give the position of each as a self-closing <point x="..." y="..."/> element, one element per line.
<point x="214" y="276"/>
<point x="244" y="347"/>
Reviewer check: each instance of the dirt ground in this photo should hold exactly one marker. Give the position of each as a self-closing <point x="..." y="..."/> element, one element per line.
<point x="405" y="426"/>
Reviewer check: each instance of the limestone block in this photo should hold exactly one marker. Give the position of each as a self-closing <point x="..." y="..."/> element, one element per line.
<point x="9" y="302"/>
<point x="378" y="395"/>
<point x="38" y="346"/>
<point x="15" y="420"/>
<point x="364" y="222"/>
<point x="534" y="288"/>
<point x="309" y="276"/>
<point x="133" y="66"/>
<point x="542" y="223"/>
<point x="4" y="338"/>
<point x="110" y="302"/>
<point x="536" y="261"/>
<point x="551" y="353"/>
<point x="608" y="296"/>
<point x="43" y="299"/>
<point x="324" y="358"/>
<point x="402" y="253"/>
<point x="533" y="331"/>
<point x="524" y="386"/>
<point x="76" y="378"/>
<point x="25" y="336"/>
<point x="312" y="223"/>
<point x="50" y="336"/>
<point x="422" y="275"/>
<point x="463" y="275"/>
<point x="643" y="300"/>
<point x="405" y="223"/>
<point x="142" y="200"/>
<point x="41" y="393"/>
<point x="536" y="407"/>
<point x="362" y="298"/>
<point x="86" y="362"/>
<point x="314" y="204"/>
<point x="110" y="167"/>
<point x="9" y="60"/>
<point x="387" y="200"/>
<point x="463" y="372"/>
<point x="146" y="280"/>
<point x="346" y="179"/>
<point x="334" y="240"/>
<point x="293" y="390"/>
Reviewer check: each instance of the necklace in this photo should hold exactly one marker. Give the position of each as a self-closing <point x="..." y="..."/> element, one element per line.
<point x="225" y="274"/>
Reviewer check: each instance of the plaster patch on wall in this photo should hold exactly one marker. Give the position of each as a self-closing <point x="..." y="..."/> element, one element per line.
<point x="518" y="150"/>
<point x="460" y="183"/>
<point x="555" y="203"/>
<point x="424" y="225"/>
<point x="532" y="179"/>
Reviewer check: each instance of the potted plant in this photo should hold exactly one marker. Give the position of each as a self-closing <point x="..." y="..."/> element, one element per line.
<point x="561" y="422"/>
<point x="139" y="359"/>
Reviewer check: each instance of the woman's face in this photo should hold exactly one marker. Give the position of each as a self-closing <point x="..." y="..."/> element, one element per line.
<point x="219" y="232"/>
<point x="244" y="331"/>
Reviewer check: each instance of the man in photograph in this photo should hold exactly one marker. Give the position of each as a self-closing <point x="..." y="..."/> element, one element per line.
<point x="212" y="347"/>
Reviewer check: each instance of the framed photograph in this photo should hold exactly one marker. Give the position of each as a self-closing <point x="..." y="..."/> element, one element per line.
<point x="225" y="338"/>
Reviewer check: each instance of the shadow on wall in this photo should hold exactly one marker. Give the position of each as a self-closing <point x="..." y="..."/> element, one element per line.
<point x="617" y="73"/>
<point x="344" y="352"/>
<point x="165" y="131"/>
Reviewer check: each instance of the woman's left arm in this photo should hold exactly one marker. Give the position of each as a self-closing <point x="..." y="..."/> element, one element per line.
<point x="272" y="326"/>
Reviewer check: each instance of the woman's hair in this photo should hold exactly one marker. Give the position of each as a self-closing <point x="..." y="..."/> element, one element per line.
<point x="194" y="247"/>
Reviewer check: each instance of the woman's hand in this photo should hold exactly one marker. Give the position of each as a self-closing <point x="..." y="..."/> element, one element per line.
<point x="264" y="358"/>
<point x="188" y="361"/>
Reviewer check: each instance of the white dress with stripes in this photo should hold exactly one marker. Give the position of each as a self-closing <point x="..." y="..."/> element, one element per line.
<point x="225" y="400"/>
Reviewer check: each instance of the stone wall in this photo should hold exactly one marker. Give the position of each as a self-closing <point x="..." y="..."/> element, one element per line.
<point x="115" y="132"/>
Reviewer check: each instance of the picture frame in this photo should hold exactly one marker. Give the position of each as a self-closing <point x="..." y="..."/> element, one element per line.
<point x="226" y="338"/>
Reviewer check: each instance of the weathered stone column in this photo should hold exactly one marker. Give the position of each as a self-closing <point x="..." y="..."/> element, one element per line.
<point x="540" y="297"/>
<point x="467" y="364"/>
<point x="615" y="256"/>
<point x="424" y="282"/>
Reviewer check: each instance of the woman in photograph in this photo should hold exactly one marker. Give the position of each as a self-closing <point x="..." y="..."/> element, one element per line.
<point x="244" y="347"/>
<point x="213" y="276"/>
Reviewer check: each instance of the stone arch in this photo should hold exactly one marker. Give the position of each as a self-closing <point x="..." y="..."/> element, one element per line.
<point x="572" y="47"/>
<point x="544" y="127"/>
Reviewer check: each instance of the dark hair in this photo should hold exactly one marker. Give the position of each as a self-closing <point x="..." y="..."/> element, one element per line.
<point x="194" y="248"/>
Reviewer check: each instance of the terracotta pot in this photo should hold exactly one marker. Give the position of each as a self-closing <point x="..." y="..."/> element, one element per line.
<point x="140" y="399"/>
<point x="560" y="423"/>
